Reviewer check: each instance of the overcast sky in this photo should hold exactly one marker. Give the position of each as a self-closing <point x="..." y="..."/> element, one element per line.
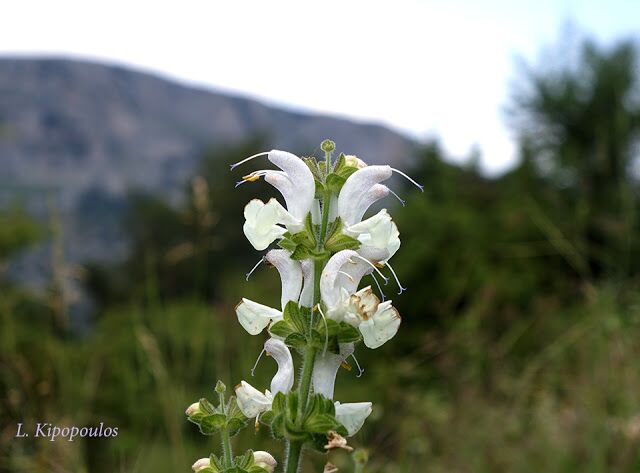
<point x="423" y="67"/>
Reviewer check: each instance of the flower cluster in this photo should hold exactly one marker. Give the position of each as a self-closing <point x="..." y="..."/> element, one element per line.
<point x="325" y="247"/>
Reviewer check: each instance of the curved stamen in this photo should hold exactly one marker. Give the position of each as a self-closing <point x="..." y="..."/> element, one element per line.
<point x="419" y="186"/>
<point x="402" y="289"/>
<point x="254" y="268"/>
<point x="386" y="279"/>
<point x="347" y="275"/>
<point x="379" y="288"/>
<point x="402" y="201"/>
<point x="239" y="183"/>
<point x="360" y="370"/>
<point x="326" y="331"/>
<point x="233" y="166"/>
<point x="255" y="365"/>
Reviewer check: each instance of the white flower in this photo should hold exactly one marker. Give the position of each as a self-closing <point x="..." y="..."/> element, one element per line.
<point x="360" y="191"/>
<point x="378" y="232"/>
<point x="290" y="274"/>
<point x="295" y="182"/>
<point x="377" y="322"/>
<point x="262" y="222"/>
<point x="306" y="296"/>
<point x="265" y="460"/>
<point x="201" y="464"/>
<point x="325" y="369"/>
<point x="251" y="401"/>
<point x="354" y="161"/>
<point x="193" y="409"/>
<point x="283" y="379"/>
<point x="381" y="326"/>
<point x="352" y="415"/>
<point x="255" y="317"/>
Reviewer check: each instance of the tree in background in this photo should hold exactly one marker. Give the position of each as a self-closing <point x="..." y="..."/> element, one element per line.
<point x="577" y="117"/>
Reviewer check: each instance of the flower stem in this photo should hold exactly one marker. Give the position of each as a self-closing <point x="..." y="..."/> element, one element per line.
<point x="293" y="457"/>
<point x="226" y="440"/>
<point x="309" y="357"/>
<point x="305" y="383"/>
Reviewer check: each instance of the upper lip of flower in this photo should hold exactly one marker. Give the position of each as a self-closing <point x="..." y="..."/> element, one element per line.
<point x="295" y="182"/>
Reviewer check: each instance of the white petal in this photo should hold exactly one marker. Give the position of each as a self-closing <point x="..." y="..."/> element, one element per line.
<point x="290" y="274"/>
<point x="306" y="296"/>
<point x="299" y="197"/>
<point x="316" y="213"/>
<point x="283" y="380"/>
<point x="356" y="187"/>
<point x="261" y="224"/>
<point x="251" y="401"/>
<point x="201" y="464"/>
<point x="378" y="232"/>
<point x="265" y="460"/>
<point x="255" y="317"/>
<point x="329" y="290"/>
<point x="374" y="194"/>
<point x="352" y="415"/>
<point x="325" y="369"/>
<point x="382" y="326"/>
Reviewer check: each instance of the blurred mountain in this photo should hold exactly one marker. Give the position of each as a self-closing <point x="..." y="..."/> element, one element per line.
<point x="81" y="135"/>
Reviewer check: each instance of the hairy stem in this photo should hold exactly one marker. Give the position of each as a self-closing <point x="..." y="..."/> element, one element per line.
<point x="293" y="457"/>
<point x="304" y="387"/>
<point x="226" y="440"/>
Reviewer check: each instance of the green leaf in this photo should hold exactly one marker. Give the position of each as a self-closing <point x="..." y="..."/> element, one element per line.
<point x="296" y="340"/>
<point x="210" y="424"/>
<point x="321" y="423"/>
<point x="245" y="460"/>
<point x="339" y="241"/>
<point x="216" y="462"/>
<point x="256" y="469"/>
<point x="267" y="418"/>
<point x="288" y="244"/>
<point x="335" y="182"/>
<point x="279" y="403"/>
<point x="281" y="329"/>
<point x="277" y="426"/>
<point x="340" y="163"/>
<point x="292" y="406"/>
<point x="293" y="315"/>
<point x="348" y="333"/>
<point x="235" y="425"/>
<point x="300" y="253"/>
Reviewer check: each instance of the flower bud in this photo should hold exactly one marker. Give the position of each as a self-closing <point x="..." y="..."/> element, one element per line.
<point x="193" y="409"/>
<point x="220" y="387"/>
<point x="265" y="460"/>
<point x="327" y="146"/>
<point x="201" y="464"/>
<point x="354" y="162"/>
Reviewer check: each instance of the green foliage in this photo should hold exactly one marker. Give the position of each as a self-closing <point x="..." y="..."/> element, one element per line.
<point x="17" y="231"/>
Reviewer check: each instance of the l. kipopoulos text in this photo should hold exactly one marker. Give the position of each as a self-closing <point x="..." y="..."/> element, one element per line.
<point x="52" y="432"/>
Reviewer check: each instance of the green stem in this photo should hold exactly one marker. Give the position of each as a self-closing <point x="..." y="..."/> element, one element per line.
<point x="305" y="383"/>
<point x="226" y="440"/>
<point x="293" y="457"/>
<point x="326" y="204"/>
<point x="309" y="357"/>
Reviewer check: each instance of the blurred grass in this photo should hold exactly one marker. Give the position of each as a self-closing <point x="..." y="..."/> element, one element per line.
<point x="556" y="394"/>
